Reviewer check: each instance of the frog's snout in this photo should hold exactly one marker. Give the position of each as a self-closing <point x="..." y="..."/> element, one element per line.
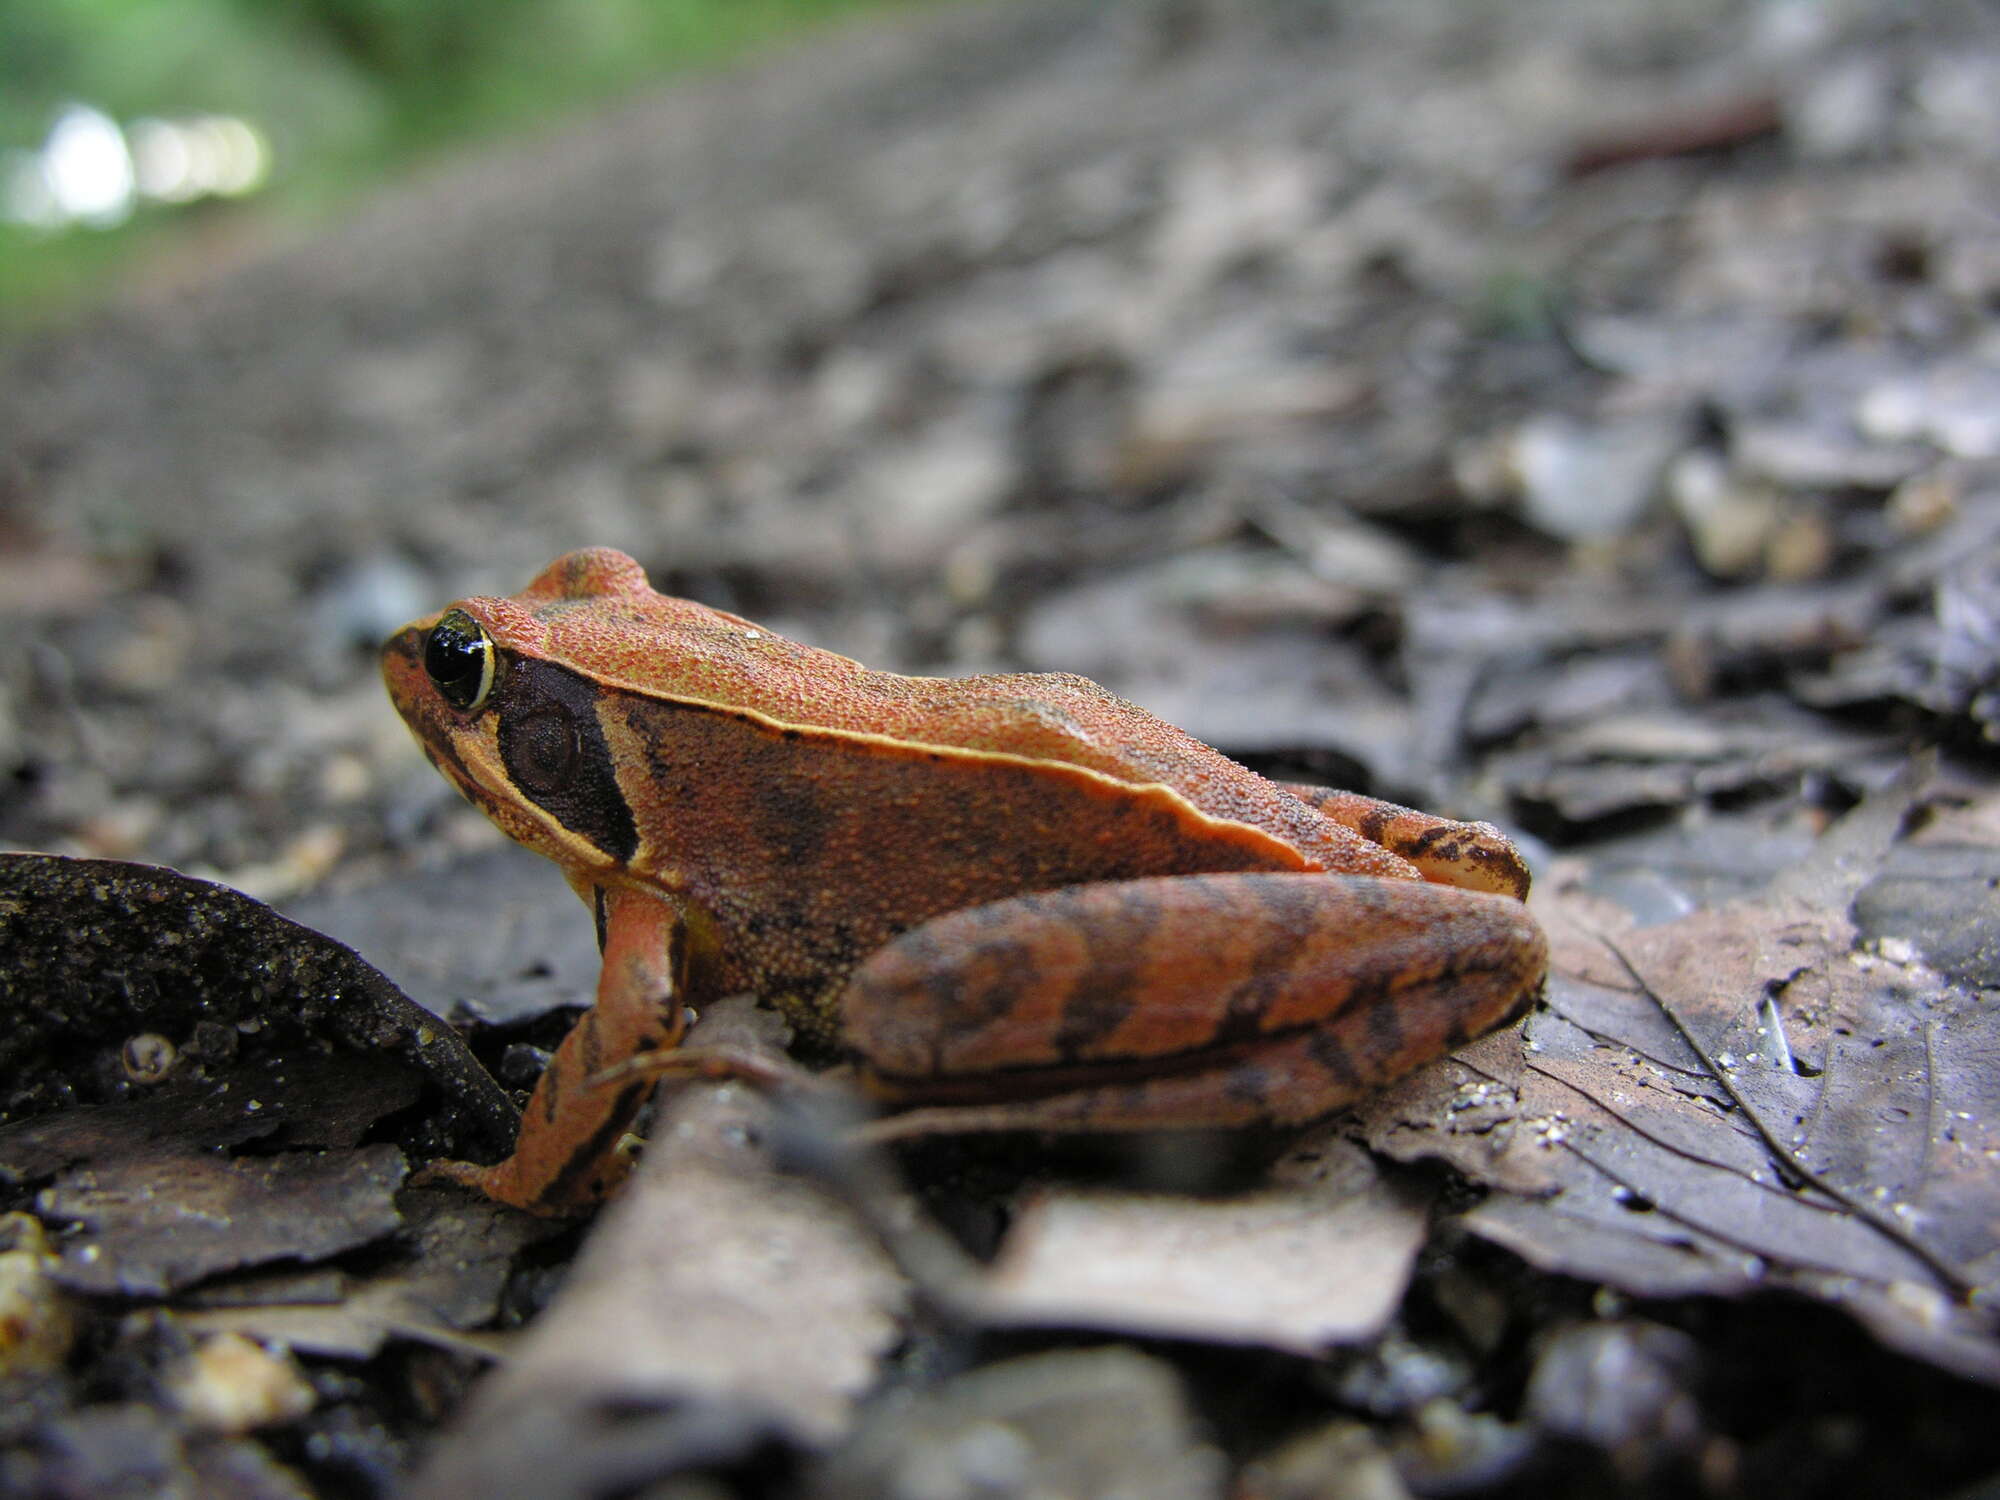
<point x="403" y="665"/>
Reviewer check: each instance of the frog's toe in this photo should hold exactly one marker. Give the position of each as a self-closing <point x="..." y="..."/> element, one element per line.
<point x="503" y="1183"/>
<point x="468" y="1174"/>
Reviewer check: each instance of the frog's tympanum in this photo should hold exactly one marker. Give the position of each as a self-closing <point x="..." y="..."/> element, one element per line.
<point x="1015" y="901"/>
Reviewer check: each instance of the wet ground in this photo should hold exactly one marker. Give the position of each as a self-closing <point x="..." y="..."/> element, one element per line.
<point x="1576" y="416"/>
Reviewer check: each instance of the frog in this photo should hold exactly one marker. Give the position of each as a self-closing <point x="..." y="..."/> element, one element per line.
<point x="1009" y="901"/>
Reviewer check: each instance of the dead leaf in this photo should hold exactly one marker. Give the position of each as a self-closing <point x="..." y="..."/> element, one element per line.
<point x="1950" y="893"/>
<point x="1666" y="759"/>
<point x="716" y="1291"/>
<point x="314" y="1100"/>
<point x="158" y="1204"/>
<point x="148" y="1225"/>
<point x="1072" y="1422"/>
<point x="1320" y="1255"/>
<point x="1760" y="1103"/>
<point x="452" y="1261"/>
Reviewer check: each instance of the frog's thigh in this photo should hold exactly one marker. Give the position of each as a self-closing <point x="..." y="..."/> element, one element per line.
<point x="1477" y="856"/>
<point x="1193" y="999"/>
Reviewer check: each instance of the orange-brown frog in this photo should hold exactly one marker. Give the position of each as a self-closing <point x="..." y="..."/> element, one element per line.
<point x="1018" y="900"/>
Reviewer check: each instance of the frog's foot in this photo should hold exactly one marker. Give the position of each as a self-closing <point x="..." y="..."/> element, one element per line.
<point x="1475" y="856"/>
<point x="811" y="1110"/>
<point x="522" y="1186"/>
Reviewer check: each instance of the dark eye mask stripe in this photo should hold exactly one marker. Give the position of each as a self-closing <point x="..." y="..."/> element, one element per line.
<point x="588" y="802"/>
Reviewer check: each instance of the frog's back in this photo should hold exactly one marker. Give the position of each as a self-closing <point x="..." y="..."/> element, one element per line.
<point x="1059" y="719"/>
<point x="594" y="612"/>
<point x="1051" y="727"/>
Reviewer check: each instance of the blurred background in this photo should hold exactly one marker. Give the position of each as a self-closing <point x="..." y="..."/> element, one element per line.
<point x="1575" y="414"/>
<point x="127" y="125"/>
<point x="1583" y="414"/>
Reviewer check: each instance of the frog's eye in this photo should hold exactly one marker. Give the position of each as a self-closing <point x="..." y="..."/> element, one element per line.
<point x="459" y="658"/>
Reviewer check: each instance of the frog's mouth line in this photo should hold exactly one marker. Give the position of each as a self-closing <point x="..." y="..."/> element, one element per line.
<point x="435" y="727"/>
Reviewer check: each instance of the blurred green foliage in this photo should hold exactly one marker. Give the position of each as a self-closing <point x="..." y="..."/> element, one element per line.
<point x="345" y="90"/>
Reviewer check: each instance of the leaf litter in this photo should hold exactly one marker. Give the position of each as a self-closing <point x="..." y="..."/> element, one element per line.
<point x="1751" y="1095"/>
<point x="1319" y="1253"/>
<point x="1748" y="1097"/>
<point x="1790" y="338"/>
<point x="208" y="1107"/>
<point x="727" y="1303"/>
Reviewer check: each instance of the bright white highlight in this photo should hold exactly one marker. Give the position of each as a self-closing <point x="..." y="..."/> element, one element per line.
<point x="91" y="172"/>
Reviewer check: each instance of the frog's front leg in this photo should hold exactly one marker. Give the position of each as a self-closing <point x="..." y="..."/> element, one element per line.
<point x="1183" y="1001"/>
<point x="569" y="1156"/>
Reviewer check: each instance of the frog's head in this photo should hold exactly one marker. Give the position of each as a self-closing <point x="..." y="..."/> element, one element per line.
<point x="487" y="691"/>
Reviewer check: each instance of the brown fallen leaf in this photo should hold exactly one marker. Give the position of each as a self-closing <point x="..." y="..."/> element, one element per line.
<point x="1109" y="1421"/>
<point x="150" y="1224"/>
<point x="450" y="1263"/>
<point x="1319" y="1255"/>
<point x="279" y="1101"/>
<point x="1744" y="1098"/>
<point x="156" y="1203"/>
<point x="729" y="1302"/>
<point x="1666" y="758"/>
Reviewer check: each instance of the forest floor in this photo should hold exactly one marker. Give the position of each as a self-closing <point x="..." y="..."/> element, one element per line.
<point x="1581" y="417"/>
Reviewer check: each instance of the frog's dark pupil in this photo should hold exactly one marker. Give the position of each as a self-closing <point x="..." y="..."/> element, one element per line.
<point x="457" y="656"/>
